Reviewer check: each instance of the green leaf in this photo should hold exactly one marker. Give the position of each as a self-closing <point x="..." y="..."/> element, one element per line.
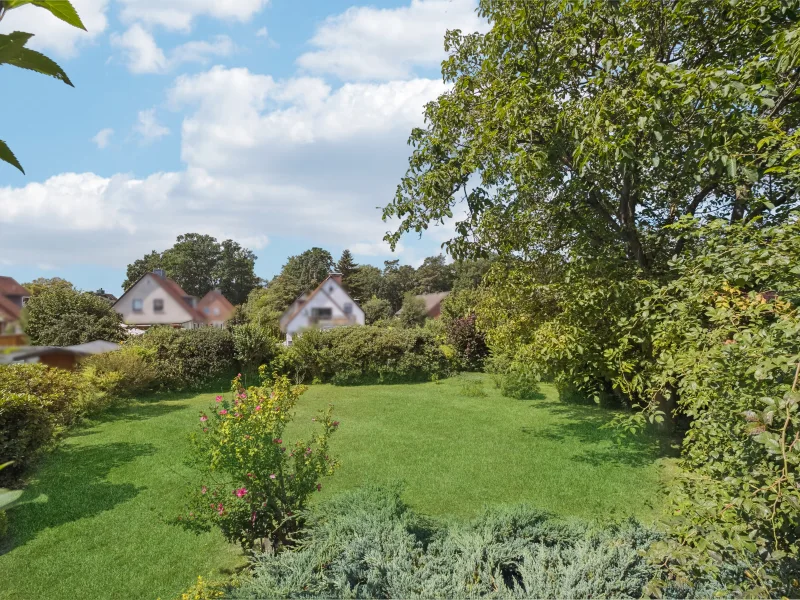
<point x="12" y="44"/>
<point x="61" y="9"/>
<point x="7" y="155"/>
<point x="35" y="61"/>
<point x="9" y="497"/>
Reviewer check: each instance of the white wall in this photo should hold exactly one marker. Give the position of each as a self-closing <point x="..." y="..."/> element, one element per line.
<point x="147" y="290"/>
<point x="332" y="296"/>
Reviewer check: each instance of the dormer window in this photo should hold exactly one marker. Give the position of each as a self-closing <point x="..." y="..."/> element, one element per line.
<point x="158" y="305"/>
<point x="138" y="305"/>
<point x="348" y="308"/>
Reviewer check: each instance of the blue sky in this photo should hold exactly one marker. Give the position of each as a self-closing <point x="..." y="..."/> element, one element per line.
<point x="281" y="124"/>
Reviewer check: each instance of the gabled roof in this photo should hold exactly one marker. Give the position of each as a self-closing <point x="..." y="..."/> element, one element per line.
<point x="216" y="296"/>
<point x="174" y="290"/>
<point x="304" y="299"/>
<point x="10" y="287"/>
<point x="10" y="309"/>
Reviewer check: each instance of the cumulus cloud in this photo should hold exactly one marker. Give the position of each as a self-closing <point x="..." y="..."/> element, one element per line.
<point x="179" y="15"/>
<point x="264" y="158"/>
<point x="367" y="43"/>
<point x="52" y="34"/>
<point x="143" y="55"/>
<point x="148" y="126"/>
<point x="103" y="137"/>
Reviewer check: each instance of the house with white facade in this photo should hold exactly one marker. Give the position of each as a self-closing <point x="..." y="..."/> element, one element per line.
<point x="328" y="306"/>
<point x="157" y="300"/>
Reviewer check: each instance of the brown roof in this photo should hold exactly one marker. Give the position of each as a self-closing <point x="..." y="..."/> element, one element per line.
<point x="433" y="300"/>
<point x="9" y="308"/>
<point x="10" y="287"/>
<point x="216" y="296"/>
<point x="176" y="291"/>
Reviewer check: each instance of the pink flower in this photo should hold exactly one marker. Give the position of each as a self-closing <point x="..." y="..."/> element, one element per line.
<point x="241" y="492"/>
<point x="237" y="415"/>
<point x="319" y="487"/>
<point x="253" y="517"/>
<point x="272" y="476"/>
<point x="220" y="508"/>
<point x="219" y="398"/>
<point x="243" y="395"/>
<point x="258" y="407"/>
<point x="203" y="419"/>
<point x="239" y="376"/>
<point x="272" y="394"/>
<point x="205" y="429"/>
<point x="223" y="412"/>
<point x="277" y="441"/>
<point x="203" y="490"/>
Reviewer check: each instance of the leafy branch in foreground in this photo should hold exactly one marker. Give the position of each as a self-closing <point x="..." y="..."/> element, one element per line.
<point x="13" y="51"/>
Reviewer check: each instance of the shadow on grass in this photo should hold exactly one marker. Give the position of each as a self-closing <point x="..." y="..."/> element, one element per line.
<point x="70" y="486"/>
<point x="584" y="425"/>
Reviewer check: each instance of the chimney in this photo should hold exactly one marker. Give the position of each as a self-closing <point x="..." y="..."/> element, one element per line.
<point x="337" y="277"/>
<point x="160" y="273"/>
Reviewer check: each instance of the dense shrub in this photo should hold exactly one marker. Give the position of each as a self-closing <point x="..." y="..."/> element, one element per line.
<point x="461" y="327"/>
<point x="369" y="544"/>
<point x="189" y="358"/>
<point x="133" y="365"/>
<point x="376" y="309"/>
<point x="61" y="316"/>
<point x="252" y="487"/>
<point x="362" y="355"/>
<point x="36" y="402"/>
<point x="253" y="346"/>
<point x="515" y="377"/>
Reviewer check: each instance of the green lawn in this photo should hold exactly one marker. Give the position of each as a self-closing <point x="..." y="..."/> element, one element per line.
<point x="99" y="528"/>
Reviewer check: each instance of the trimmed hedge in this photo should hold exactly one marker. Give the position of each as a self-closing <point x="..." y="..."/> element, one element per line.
<point x="188" y="359"/>
<point x="366" y="355"/>
<point x="368" y="544"/>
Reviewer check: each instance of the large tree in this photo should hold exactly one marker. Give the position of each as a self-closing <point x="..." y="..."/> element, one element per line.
<point x="595" y="125"/>
<point x="309" y="268"/>
<point x="397" y="281"/>
<point x="235" y="273"/>
<point x="40" y="284"/>
<point x="347" y="267"/>
<point x="434" y="275"/>
<point x="365" y="283"/>
<point x="199" y="264"/>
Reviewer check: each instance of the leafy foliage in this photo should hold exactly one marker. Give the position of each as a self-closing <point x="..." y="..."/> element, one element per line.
<point x="62" y="316"/>
<point x="252" y="488"/>
<point x="376" y="309"/>
<point x="41" y="284"/>
<point x="369" y="544"/>
<point x="253" y="347"/>
<point x="308" y="269"/>
<point x="413" y="313"/>
<point x="13" y="52"/>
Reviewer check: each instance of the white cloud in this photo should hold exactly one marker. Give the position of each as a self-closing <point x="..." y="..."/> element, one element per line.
<point x="369" y="43"/>
<point x="180" y="14"/>
<point x="143" y="55"/>
<point x="374" y="249"/>
<point x="103" y="137"/>
<point x="262" y="32"/>
<point x="148" y="126"/>
<point x="53" y="35"/>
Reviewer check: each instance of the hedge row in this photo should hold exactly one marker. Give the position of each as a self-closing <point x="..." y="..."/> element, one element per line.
<point x="366" y="355"/>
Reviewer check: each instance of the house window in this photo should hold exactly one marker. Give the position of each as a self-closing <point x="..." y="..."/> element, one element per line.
<point x="321" y="314"/>
<point x="216" y="311"/>
<point x="138" y="305"/>
<point x="158" y="305"/>
<point x="206" y="310"/>
<point x="348" y="308"/>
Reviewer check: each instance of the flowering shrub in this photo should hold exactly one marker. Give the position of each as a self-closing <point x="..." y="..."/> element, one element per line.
<point x="254" y="485"/>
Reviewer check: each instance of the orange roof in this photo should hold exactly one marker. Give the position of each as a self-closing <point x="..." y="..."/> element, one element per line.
<point x="216" y="296"/>
<point x="10" y="287"/>
<point x="176" y="291"/>
<point x="10" y="309"/>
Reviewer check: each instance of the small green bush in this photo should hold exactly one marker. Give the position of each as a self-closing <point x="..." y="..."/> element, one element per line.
<point x="189" y="359"/>
<point x="35" y="403"/>
<point x="368" y="544"/>
<point x="514" y="378"/>
<point x="366" y="355"/>
<point x="133" y="365"/>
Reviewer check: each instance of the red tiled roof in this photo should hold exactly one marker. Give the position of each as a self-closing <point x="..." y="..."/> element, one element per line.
<point x="176" y="291"/>
<point x="10" y="287"/>
<point x="9" y="308"/>
<point x="216" y="296"/>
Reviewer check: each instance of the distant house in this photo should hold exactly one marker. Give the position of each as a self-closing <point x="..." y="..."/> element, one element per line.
<point x="433" y="303"/>
<point x="328" y="306"/>
<point x="157" y="300"/>
<point x="101" y="293"/>
<point x="13" y="298"/>
<point x="216" y="308"/>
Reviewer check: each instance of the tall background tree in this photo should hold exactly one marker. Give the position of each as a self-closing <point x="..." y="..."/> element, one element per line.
<point x="348" y="268"/>
<point x="309" y="268"/>
<point x="434" y="275"/>
<point x="40" y="284"/>
<point x="199" y="264"/>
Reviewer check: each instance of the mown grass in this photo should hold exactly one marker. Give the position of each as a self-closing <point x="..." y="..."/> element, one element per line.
<point x="100" y="526"/>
